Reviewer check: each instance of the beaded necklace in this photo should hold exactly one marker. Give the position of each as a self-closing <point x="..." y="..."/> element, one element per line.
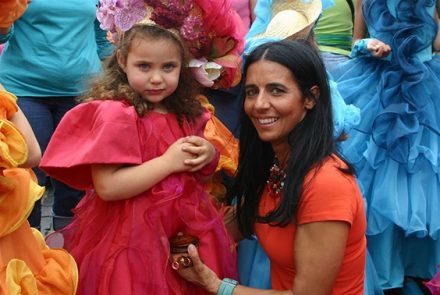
<point x="277" y="177"/>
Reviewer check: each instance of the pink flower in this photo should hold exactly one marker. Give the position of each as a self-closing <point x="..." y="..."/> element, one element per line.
<point x="205" y="72"/>
<point x="106" y="13"/>
<point x="129" y="13"/>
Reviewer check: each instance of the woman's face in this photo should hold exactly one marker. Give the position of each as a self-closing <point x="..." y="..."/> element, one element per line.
<point x="274" y="101"/>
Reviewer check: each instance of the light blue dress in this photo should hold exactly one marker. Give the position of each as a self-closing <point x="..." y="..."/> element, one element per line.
<point x="395" y="148"/>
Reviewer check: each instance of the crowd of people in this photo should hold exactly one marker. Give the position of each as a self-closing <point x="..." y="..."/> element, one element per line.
<point x="220" y="146"/>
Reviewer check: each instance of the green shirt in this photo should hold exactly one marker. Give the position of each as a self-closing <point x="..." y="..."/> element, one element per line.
<point x="334" y="30"/>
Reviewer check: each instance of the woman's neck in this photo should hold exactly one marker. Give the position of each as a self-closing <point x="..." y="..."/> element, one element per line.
<point x="282" y="153"/>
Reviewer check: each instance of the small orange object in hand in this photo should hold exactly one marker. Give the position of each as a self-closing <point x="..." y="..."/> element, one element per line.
<point x="179" y="245"/>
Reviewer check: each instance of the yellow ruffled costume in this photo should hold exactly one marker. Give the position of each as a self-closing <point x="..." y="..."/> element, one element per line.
<point x="27" y="265"/>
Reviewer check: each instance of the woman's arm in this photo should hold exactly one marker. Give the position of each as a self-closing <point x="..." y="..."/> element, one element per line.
<point x="252" y="4"/>
<point x="362" y="46"/>
<point x="22" y="124"/>
<point x="360" y="29"/>
<point x="319" y="252"/>
<point x="34" y="151"/>
<point x="203" y="276"/>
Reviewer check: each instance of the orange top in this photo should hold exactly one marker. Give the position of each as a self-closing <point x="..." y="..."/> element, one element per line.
<point x="330" y="195"/>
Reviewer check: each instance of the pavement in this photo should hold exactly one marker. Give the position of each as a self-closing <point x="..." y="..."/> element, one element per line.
<point x="46" y="212"/>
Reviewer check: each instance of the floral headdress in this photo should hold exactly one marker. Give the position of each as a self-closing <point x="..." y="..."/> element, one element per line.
<point x="210" y="29"/>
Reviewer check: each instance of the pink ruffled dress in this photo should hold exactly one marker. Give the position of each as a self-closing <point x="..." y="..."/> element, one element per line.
<point x="122" y="247"/>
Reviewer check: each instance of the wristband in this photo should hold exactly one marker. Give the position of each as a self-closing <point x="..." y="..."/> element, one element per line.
<point x="227" y="286"/>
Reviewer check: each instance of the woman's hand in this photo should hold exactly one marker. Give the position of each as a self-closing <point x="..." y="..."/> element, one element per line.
<point x="199" y="273"/>
<point x="202" y="150"/>
<point x="378" y="49"/>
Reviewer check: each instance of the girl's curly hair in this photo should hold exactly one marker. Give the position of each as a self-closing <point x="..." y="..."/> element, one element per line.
<point x="113" y="83"/>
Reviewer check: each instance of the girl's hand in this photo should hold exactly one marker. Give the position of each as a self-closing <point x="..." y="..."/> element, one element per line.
<point x="203" y="152"/>
<point x="176" y="156"/>
<point x="378" y="49"/>
<point x="199" y="273"/>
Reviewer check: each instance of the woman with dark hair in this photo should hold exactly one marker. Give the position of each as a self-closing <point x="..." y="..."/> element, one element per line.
<point x="293" y="190"/>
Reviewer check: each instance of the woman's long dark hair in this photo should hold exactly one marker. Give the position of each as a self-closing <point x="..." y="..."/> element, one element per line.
<point x="311" y="140"/>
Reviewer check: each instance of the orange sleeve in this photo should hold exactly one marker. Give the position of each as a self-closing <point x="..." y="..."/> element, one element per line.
<point x="330" y="195"/>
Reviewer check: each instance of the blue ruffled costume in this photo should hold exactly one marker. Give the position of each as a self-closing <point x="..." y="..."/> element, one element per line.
<point x="395" y="148"/>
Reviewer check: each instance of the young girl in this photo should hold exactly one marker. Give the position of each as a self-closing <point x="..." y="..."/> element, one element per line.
<point x="135" y="145"/>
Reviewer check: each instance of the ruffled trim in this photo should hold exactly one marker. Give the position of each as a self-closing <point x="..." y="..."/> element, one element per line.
<point x="395" y="148"/>
<point x="58" y="276"/>
<point x="227" y="145"/>
<point x="345" y="116"/>
<point x="19" y="191"/>
<point x="11" y="11"/>
<point x="27" y="265"/>
<point x="8" y="105"/>
<point x="360" y="48"/>
<point x="403" y="112"/>
<point x="13" y="148"/>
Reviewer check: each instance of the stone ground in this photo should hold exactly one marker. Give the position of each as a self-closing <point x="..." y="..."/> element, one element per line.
<point x="46" y="212"/>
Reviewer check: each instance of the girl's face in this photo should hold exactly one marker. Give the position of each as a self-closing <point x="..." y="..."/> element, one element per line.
<point x="153" y="69"/>
<point x="274" y="102"/>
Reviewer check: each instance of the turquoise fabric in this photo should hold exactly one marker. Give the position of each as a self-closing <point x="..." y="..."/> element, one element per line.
<point x="360" y="48"/>
<point x="253" y="264"/>
<point x="395" y="148"/>
<point x="55" y="47"/>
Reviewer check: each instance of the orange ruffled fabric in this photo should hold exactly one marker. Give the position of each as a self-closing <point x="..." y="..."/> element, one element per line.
<point x="27" y="265"/>
<point x="11" y="11"/>
<point x="227" y="145"/>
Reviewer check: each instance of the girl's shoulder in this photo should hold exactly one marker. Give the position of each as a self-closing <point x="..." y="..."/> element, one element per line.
<point x="104" y="110"/>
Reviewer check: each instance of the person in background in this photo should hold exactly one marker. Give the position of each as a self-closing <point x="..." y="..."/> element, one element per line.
<point x="49" y="54"/>
<point x="227" y="100"/>
<point x="395" y="80"/>
<point x="27" y="265"/>
<point x="334" y="32"/>
<point x="300" y="197"/>
<point x="245" y="8"/>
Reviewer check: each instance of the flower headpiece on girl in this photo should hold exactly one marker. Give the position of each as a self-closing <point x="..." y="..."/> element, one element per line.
<point x="211" y="30"/>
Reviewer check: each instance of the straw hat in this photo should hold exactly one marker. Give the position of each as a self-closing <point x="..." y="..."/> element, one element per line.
<point x="291" y="19"/>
